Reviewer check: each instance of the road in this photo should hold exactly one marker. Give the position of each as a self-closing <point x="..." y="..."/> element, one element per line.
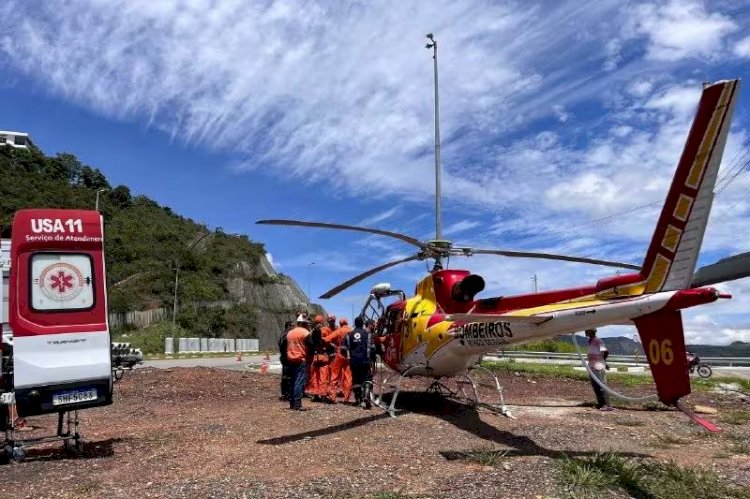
<point x="217" y="362"/>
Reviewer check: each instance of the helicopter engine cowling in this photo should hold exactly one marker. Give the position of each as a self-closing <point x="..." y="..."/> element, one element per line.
<point x="455" y="289"/>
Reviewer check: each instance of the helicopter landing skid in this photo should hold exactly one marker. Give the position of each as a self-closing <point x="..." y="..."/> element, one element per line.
<point x="378" y="399"/>
<point x="441" y="389"/>
<point x="500" y="407"/>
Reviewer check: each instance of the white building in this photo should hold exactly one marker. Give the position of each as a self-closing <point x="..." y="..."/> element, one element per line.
<point x="15" y="139"/>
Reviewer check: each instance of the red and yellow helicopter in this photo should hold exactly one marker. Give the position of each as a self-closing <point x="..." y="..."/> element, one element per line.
<point x="444" y="330"/>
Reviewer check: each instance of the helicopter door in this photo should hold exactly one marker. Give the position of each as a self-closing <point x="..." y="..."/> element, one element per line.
<point x="393" y="330"/>
<point x="58" y="312"/>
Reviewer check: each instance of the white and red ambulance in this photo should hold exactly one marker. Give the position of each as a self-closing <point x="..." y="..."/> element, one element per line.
<point x="57" y="358"/>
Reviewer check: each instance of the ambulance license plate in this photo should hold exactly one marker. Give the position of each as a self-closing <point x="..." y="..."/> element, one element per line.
<point x="75" y="397"/>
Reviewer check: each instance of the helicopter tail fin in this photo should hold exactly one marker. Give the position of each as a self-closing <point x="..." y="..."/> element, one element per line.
<point x="672" y="255"/>
<point x="663" y="340"/>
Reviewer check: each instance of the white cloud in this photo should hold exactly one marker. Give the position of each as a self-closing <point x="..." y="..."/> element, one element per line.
<point x="379" y="217"/>
<point x="742" y="47"/>
<point x="461" y="226"/>
<point x="681" y="29"/>
<point x="318" y="93"/>
<point x="561" y="113"/>
<point x="275" y="265"/>
<point x="612" y="54"/>
<point x="640" y="88"/>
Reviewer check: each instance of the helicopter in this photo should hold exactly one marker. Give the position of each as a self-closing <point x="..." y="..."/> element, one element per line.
<point x="443" y="330"/>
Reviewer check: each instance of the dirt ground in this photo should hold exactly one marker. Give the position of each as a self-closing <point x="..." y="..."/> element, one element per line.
<point x="201" y="432"/>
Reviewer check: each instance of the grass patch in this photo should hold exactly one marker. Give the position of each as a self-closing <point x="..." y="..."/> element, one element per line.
<point x="739" y="417"/>
<point x="738" y="445"/>
<point x="564" y="371"/>
<point x="713" y="382"/>
<point x="486" y="456"/>
<point x="590" y="476"/>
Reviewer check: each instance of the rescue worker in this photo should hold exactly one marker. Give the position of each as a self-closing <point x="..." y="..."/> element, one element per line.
<point x="360" y="350"/>
<point x="317" y="379"/>
<point x="298" y="351"/>
<point x="340" y="376"/>
<point x="285" y="379"/>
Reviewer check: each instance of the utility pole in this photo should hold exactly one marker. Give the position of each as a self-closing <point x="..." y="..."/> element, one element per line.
<point x="177" y="275"/>
<point x="309" y="266"/>
<point x="438" y="224"/>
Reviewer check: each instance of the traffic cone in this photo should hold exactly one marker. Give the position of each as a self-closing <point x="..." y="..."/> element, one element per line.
<point x="264" y="364"/>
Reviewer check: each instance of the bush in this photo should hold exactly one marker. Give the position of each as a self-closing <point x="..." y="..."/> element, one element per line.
<point x="547" y="345"/>
<point x="151" y="338"/>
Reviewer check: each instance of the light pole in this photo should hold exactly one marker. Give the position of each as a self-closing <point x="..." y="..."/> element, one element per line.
<point x="438" y="225"/>
<point x="97" y="197"/>
<point x="309" y="266"/>
<point x="177" y="274"/>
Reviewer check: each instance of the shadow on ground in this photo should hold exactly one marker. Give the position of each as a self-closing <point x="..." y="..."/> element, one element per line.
<point x="462" y="416"/>
<point x="56" y="451"/>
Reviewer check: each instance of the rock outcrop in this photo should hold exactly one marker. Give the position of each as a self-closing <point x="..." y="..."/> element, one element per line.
<point x="274" y="297"/>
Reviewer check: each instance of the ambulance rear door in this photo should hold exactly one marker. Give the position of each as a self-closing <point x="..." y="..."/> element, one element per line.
<point x="58" y="311"/>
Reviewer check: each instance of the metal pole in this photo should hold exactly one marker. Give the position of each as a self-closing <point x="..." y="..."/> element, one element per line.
<point x="174" y="304"/>
<point x="309" y="266"/>
<point x="97" y="198"/>
<point x="536" y="281"/>
<point x="438" y="222"/>
<point x="177" y="275"/>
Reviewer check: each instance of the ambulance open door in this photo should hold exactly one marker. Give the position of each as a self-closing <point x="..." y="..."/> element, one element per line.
<point x="58" y="312"/>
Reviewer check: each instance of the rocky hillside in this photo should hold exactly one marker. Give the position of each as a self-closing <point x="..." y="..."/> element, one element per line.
<point x="227" y="287"/>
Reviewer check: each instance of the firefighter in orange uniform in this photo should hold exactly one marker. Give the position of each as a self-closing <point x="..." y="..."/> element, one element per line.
<point x="317" y="381"/>
<point x="340" y="374"/>
<point x="298" y="347"/>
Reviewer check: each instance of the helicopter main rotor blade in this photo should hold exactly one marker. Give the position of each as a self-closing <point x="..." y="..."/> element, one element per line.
<point x="364" y="275"/>
<point x="552" y="256"/>
<point x="303" y="223"/>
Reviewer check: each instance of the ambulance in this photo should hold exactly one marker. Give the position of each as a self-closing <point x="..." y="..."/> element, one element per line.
<point x="56" y="348"/>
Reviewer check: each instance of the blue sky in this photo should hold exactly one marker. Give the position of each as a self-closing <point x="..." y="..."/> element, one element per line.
<point x="554" y="117"/>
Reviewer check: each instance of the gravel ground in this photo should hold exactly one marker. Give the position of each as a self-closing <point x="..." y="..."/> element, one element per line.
<point x="199" y="432"/>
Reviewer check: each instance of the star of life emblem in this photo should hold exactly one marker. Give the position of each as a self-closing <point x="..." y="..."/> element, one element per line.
<point x="61" y="281"/>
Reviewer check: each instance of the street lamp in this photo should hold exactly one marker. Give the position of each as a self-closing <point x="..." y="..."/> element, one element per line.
<point x="177" y="274"/>
<point x="97" y="197"/>
<point x="309" y="266"/>
<point x="438" y="225"/>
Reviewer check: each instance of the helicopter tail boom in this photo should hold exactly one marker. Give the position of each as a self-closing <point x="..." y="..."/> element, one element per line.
<point x="671" y="257"/>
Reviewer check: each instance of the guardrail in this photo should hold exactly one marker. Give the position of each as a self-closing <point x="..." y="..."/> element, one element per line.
<point x="626" y="359"/>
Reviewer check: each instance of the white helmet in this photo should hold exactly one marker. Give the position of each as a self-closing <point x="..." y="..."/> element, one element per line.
<point x="301" y="318"/>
